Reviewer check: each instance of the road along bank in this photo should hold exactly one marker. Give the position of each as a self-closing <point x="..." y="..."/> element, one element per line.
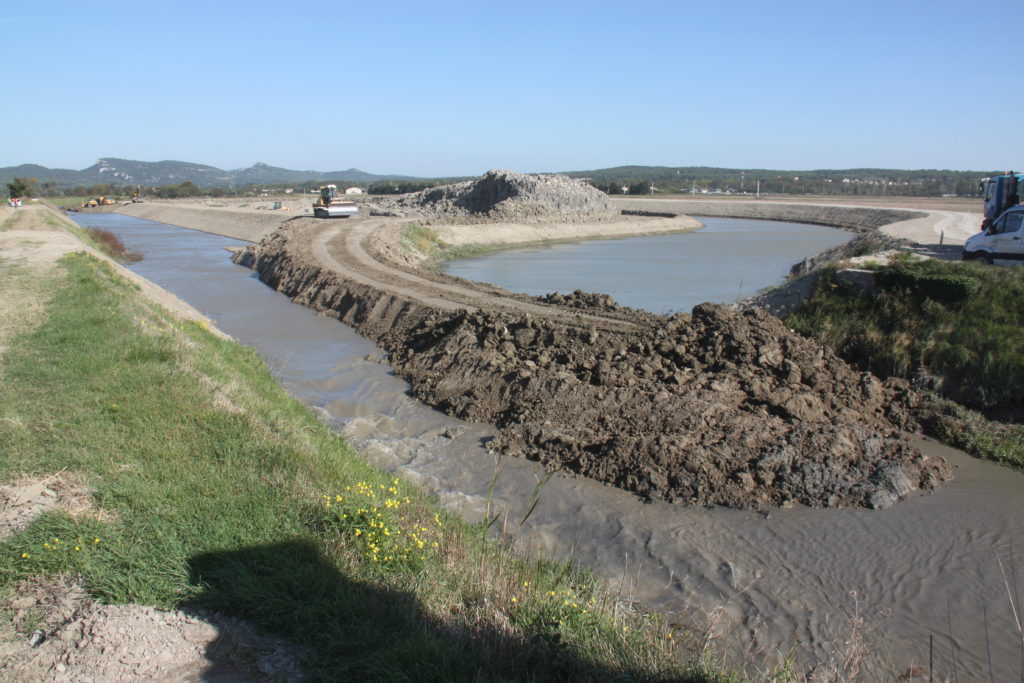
<point x="715" y="408"/>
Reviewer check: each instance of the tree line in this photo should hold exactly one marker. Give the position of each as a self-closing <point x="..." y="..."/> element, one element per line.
<point x="633" y="180"/>
<point x="856" y="182"/>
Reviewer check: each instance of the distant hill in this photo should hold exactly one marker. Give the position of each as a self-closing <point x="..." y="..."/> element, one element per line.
<point x="153" y="173"/>
<point x="700" y="179"/>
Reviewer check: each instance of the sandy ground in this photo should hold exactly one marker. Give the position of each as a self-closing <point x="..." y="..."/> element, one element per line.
<point x="952" y="224"/>
<point x="519" y="233"/>
<point x="56" y="632"/>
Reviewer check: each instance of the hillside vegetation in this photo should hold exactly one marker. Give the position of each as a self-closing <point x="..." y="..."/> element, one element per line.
<point x="121" y="176"/>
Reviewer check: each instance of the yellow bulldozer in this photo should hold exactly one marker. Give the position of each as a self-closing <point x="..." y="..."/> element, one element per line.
<point x="102" y="200"/>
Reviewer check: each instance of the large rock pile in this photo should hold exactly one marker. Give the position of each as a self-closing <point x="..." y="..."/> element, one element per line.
<point x="508" y="197"/>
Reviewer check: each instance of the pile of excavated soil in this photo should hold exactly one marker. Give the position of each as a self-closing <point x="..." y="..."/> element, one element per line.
<point x="507" y="196"/>
<point x="717" y="408"/>
<point x="721" y="407"/>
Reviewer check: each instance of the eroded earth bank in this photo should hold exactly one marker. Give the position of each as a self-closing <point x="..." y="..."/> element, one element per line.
<point x="714" y="407"/>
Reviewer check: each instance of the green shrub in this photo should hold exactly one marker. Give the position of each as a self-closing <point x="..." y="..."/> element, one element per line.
<point x="961" y="324"/>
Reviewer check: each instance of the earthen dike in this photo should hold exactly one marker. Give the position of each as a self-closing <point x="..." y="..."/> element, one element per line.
<point x="717" y="407"/>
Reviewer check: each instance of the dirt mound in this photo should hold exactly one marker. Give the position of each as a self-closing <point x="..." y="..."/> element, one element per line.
<point x="718" y="408"/>
<point x="511" y="197"/>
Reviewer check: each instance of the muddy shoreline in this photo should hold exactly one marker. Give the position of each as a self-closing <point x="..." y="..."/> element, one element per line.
<point x="720" y="407"/>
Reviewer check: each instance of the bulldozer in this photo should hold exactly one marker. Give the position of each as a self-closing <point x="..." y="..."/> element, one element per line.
<point x="329" y="204"/>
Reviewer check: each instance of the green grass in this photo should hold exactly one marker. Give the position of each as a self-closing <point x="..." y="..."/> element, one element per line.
<point x="65" y="202"/>
<point x="955" y="328"/>
<point x="425" y="241"/>
<point x="220" y="491"/>
<point x="10" y="221"/>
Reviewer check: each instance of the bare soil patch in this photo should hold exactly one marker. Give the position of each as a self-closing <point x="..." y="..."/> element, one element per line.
<point x="56" y="633"/>
<point x="22" y="501"/>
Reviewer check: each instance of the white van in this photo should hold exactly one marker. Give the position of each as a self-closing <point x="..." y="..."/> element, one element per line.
<point x="1002" y="243"/>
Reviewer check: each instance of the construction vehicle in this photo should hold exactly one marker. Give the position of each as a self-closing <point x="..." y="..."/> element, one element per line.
<point x="1000" y="192"/>
<point x="90" y="203"/>
<point x="105" y="201"/>
<point x="1002" y="228"/>
<point x="329" y="205"/>
<point x="137" y="197"/>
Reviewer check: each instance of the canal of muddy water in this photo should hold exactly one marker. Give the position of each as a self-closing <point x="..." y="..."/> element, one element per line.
<point x="798" y="580"/>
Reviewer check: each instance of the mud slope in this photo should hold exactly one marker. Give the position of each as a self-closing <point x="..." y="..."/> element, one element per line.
<point x="717" y="407"/>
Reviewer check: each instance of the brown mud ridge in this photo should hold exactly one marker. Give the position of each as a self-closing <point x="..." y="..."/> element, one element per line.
<point x="720" y="407"/>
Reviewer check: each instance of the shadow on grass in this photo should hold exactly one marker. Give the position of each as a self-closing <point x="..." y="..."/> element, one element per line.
<point x="350" y="630"/>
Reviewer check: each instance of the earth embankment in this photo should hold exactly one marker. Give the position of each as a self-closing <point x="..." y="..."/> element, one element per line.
<point x="250" y="226"/>
<point x="718" y="407"/>
<point x="856" y="218"/>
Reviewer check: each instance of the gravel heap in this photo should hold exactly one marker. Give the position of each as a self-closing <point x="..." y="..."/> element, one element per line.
<point x="506" y="196"/>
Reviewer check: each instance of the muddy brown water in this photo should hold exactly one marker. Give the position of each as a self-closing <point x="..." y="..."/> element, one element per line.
<point x="789" y="582"/>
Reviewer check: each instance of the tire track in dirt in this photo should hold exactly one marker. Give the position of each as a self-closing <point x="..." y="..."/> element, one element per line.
<point x="342" y="250"/>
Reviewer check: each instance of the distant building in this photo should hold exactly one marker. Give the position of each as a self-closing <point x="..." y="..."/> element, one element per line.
<point x="355" y="190"/>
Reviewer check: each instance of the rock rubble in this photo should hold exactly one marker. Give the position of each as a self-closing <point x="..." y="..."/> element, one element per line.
<point x="506" y="196"/>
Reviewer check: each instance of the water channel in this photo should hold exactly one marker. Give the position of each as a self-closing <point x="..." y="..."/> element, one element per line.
<point x="791" y="581"/>
<point x="728" y="259"/>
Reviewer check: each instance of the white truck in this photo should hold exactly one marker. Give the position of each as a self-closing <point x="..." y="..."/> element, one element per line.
<point x="1002" y="240"/>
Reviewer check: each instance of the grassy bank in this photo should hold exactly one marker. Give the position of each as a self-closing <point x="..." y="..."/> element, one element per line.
<point x="955" y="329"/>
<point x="425" y="241"/>
<point x="214" y="489"/>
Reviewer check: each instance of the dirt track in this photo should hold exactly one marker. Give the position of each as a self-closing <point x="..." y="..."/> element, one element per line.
<point x="716" y="408"/>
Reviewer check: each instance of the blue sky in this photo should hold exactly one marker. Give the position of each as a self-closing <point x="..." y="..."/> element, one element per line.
<point x="456" y="88"/>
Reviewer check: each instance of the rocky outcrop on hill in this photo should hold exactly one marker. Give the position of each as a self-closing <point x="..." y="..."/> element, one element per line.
<point x="506" y="196"/>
